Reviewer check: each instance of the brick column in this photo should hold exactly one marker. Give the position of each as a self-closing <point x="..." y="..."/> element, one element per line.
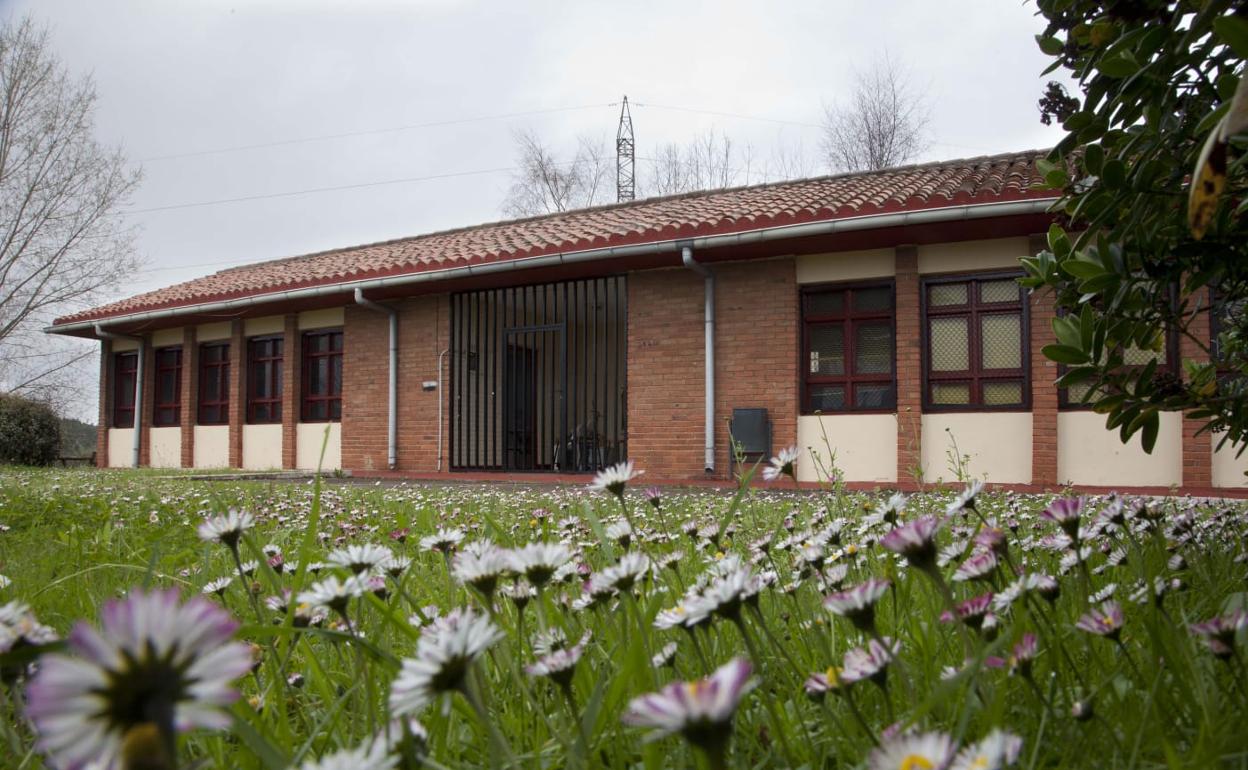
<point x="292" y="353"/>
<point x="1197" y="450"/>
<point x="189" y="397"/>
<point x="149" y="404"/>
<point x="909" y="366"/>
<point x="238" y="393"/>
<point x="106" y="402"/>
<point x="1043" y="374"/>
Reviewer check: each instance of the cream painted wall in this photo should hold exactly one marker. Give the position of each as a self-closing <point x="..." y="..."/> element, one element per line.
<point x="320" y="319"/>
<point x="163" y="338"/>
<point x="308" y="446"/>
<point x="865" y="446"/>
<point x="272" y="324"/>
<point x="262" y="447"/>
<point x="212" y="332"/>
<point x="121" y="346"/>
<point x="999" y="445"/>
<point x="212" y="446"/>
<point x="120" y="447"/>
<point x="961" y="256"/>
<point x="1087" y="453"/>
<point x="166" y="447"/>
<point x="845" y="266"/>
<point x="1228" y="470"/>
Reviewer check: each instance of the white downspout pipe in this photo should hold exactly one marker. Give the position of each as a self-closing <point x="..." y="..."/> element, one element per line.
<point x="392" y="416"/>
<point x="440" y="355"/>
<point x="136" y="441"/>
<point x="686" y="256"/>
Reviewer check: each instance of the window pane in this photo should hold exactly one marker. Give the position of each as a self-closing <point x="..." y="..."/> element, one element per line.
<point x="335" y="386"/>
<point x="1002" y="393"/>
<point x="335" y="340"/>
<point x="941" y="294"/>
<point x="317" y="373"/>
<point x="260" y="412"/>
<point x="168" y="386"/>
<point x="316" y="410"/>
<point x="867" y="300"/>
<point x="999" y="291"/>
<point x="827" y="398"/>
<point x="260" y="380"/>
<point x="873" y="349"/>
<point x="335" y="410"/>
<point x="873" y="396"/>
<point x="1001" y="340"/>
<point x="826" y="303"/>
<point x="276" y="390"/>
<point x="950" y="346"/>
<point x="827" y="349"/>
<point x="951" y="393"/>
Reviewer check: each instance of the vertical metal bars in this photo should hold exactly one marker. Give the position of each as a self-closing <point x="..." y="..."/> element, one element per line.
<point x="538" y="377"/>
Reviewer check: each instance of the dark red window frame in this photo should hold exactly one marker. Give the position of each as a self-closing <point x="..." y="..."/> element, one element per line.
<point x="214" y="367"/>
<point x="125" y="380"/>
<point x="975" y="376"/>
<point x="321" y="385"/>
<point x="849" y="318"/>
<point x="166" y="410"/>
<point x="264" y="380"/>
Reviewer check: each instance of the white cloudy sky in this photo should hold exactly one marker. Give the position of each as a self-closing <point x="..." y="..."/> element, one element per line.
<point x="179" y="77"/>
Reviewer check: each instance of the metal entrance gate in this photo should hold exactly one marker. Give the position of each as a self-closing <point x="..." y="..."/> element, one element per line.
<point x="538" y="377"/>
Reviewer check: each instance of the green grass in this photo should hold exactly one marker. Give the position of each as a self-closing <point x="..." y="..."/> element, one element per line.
<point x="73" y="539"/>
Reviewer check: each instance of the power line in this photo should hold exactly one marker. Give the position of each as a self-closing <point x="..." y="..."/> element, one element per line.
<point x="313" y="190"/>
<point x="368" y="132"/>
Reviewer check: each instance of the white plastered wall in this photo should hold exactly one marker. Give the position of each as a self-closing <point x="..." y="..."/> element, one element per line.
<point x="971" y="256"/>
<point x="166" y="447"/>
<point x="1228" y="470"/>
<point x="321" y="319"/>
<point x="865" y="446"/>
<point x="262" y="447"/>
<point x="997" y="443"/>
<point x="845" y="266"/>
<point x="163" y="338"/>
<point x="212" y="446"/>
<point x="120" y="447"/>
<point x="1089" y="454"/>
<point x="308" y="439"/>
<point x="258" y="327"/>
<point x="212" y="332"/>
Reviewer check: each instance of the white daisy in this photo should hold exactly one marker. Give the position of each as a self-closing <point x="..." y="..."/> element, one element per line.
<point x="701" y="711"/>
<point x="156" y="660"/>
<point x="334" y="594"/>
<point x="538" y="561"/>
<point x="375" y="756"/>
<point x="998" y="749"/>
<point x="615" y="478"/>
<point x="910" y="751"/>
<point x="226" y="529"/>
<point x="361" y="558"/>
<point x="783" y="464"/>
<point x="446" y="649"/>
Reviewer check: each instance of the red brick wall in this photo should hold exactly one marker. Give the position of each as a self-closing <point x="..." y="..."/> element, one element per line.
<point x="424" y="331"/>
<point x="909" y="366"/>
<point x="189" y="397"/>
<point x="238" y="396"/>
<point x="1043" y="391"/>
<point x="149" y="403"/>
<point x="665" y="373"/>
<point x="292" y="365"/>
<point x="756" y="340"/>
<point x="755" y="355"/>
<point x="106" y="400"/>
<point x="1197" y="449"/>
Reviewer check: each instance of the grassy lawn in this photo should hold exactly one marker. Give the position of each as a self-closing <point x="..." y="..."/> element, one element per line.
<point x="697" y="580"/>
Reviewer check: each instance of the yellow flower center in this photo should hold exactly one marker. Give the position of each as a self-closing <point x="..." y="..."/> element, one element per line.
<point x="851" y="549"/>
<point x="833" y="675"/>
<point x="1107" y="622"/>
<point x="719" y="555"/>
<point x="916" y="762"/>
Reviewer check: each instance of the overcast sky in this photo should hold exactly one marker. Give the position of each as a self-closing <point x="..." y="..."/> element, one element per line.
<point x="182" y="78"/>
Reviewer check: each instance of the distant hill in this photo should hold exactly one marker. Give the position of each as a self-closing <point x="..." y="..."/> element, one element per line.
<point x="77" y="438"/>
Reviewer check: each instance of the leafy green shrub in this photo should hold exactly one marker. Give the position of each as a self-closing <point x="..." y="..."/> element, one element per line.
<point x="30" y="432"/>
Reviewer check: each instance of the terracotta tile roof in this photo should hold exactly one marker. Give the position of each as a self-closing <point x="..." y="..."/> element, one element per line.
<point x="988" y="179"/>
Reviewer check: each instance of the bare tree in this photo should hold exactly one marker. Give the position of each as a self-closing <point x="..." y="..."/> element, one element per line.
<point x="710" y="162"/>
<point x="62" y="238"/>
<point x="884" y="123"/>
<point x="543" y="184"/>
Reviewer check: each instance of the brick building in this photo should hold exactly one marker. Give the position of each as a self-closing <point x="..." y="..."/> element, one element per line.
<point x="874" y="316"/>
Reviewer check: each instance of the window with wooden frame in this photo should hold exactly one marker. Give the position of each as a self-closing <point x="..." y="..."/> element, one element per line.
<point x="1133" y="359"/>
<point x="125" y="379"/>
<point x="848" y="360"/>
<point x="322" y="376"/>
<point x="214" y="383"/>
<point x="975" y="343"/>
<point x="264" y="380"/>
<point x="167" y="400"/>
